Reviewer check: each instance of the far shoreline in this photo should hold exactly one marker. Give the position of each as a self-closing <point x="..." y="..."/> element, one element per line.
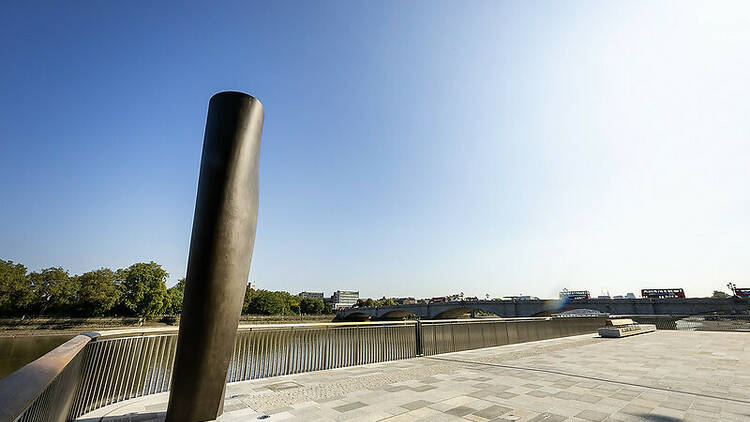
<point x="55" y="326"/>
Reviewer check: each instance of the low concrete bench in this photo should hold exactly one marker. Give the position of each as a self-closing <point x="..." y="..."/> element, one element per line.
<point x="616" y="328"/>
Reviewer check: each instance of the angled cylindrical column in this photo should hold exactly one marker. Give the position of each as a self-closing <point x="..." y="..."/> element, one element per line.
<point x="221" y="247"/>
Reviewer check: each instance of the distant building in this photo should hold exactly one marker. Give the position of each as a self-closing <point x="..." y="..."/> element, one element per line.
<point x="630" y="296"/>
<point x="312" y="295"/>
<point x="344" y="298"/>
<point x="520" y="298"/>
<point x="252" y="285"/>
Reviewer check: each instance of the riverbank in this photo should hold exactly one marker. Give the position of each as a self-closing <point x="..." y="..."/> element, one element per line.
<point x="46" y="326"/>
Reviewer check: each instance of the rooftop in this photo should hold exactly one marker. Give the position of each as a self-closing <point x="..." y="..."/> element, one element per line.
<point x="664" y="376"/>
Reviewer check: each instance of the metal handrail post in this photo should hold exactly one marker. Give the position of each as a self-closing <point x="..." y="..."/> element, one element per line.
<point x="419" y="340"/>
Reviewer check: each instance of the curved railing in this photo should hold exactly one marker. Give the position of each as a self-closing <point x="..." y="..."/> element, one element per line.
<point x="45" y="387"/>
<point x="97" y="369"/>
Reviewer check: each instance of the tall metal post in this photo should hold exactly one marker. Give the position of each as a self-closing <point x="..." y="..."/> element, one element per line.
<point x="221" y="248"/>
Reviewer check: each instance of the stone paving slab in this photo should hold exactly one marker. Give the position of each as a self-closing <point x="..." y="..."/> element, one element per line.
<point x="666" y="376"/>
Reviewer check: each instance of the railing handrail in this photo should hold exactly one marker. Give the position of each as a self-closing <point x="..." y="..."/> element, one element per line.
<point x="147" y="331"/>
<point x="480" y="320"/>
<point x="653" y="315"/>
<point x="20" y="388"/>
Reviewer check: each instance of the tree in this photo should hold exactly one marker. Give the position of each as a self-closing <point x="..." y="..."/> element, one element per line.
<point x="291" y="303"/>
<point x="175" y="295"/>
<point x="53" y="291"/>
<point x="311" y="306"/>
<point x="15" y="288"/>
<point x="719" y="295"/>
<point x="387" y="302"/>
<point x="144" y="289"/>
<point x="366" y="302"/>
<point x="97" y="292"/>
<point x="249" y="294"/>
<point x="264" y="302"/>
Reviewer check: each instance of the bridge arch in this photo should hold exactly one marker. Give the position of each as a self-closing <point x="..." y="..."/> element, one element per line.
<point x="397" y="315"/>
<point x="572" y="310"/>
<point x="463" y="309"/>
<point x="357" y="316"/>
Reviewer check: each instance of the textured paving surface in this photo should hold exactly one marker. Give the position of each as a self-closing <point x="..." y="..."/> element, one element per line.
<point x="665" y="376"/>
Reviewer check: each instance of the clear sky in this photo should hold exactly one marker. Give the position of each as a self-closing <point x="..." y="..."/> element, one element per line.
<point x="409" y="148"/>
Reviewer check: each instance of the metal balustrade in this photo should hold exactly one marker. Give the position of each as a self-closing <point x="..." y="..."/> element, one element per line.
<point x="124" y="368"/>
<point x="266" y="352"/>
<point x="455" y="335"/>
<point x="115" y="367"/>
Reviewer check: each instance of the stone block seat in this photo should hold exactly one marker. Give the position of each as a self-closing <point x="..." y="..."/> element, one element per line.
<point x="624" y="327"/>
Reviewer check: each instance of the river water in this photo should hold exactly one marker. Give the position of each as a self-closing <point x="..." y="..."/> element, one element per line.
<point x="17" y="351"/>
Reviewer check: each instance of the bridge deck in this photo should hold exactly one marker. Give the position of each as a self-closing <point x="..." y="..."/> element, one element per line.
<point x="663" y="376"/>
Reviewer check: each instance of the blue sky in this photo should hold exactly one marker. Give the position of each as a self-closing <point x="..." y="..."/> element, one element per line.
<point x="409" y="148"/>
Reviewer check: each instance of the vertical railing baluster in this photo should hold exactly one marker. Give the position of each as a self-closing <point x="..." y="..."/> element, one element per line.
<point x="148" y="367"/>
<point x="125" y="393"/>
<point x="96" y="377"/>
<point x="112" y="370"/>
<point x="87" y="379"/>
<point x="266" y="354"/>
<point x="245" y="356"/>
<point x="255" y="357"/>
<point x="275" y="359"/>
<point x="170" y="362"/>
<point x="157" y="366"/>
<point x="135" y="365"/>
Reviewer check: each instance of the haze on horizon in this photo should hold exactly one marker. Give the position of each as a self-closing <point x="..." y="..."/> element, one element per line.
<point x="409" y="148"/>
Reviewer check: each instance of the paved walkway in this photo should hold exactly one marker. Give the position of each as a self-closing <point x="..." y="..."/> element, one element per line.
<point x="666" y="376"/>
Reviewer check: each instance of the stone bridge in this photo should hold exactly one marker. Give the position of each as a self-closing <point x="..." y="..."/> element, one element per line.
<point x="526" y="308"/>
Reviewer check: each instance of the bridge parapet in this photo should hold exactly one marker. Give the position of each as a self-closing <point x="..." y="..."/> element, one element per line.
<point x="527" y="308"/>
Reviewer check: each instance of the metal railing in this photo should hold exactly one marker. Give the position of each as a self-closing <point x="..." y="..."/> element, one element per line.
<point x="44" y="389"/>
<point x="115" y="367"/>
<point x="282" y="350"/>
<point x="123" y="368"/>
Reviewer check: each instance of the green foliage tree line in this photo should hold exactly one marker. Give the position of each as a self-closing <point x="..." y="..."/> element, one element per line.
<point x="265" y="302"/>
<point x="138" y="290"/>
<point x="375" y="302"/>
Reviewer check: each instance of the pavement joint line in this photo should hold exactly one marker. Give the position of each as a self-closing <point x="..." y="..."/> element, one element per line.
<point x="548" y="371"/>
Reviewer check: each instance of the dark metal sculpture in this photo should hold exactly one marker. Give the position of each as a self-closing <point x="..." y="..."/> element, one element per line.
<point x="221" y="248"/>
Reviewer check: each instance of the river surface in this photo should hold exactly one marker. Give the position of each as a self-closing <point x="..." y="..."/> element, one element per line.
<point x="17" y="351"/>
